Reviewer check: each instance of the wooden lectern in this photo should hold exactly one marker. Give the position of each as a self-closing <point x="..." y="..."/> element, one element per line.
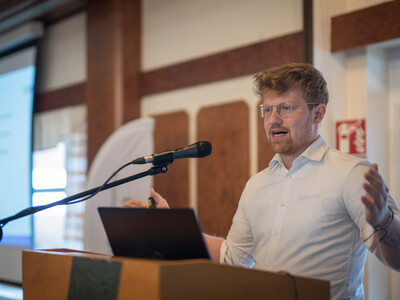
<point x="67" y="274"/>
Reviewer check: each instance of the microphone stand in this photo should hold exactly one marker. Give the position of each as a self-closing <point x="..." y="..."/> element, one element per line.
<point x="162" y="168"/>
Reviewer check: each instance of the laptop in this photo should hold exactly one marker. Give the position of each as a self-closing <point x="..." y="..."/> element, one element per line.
<point x="168" y="234"/>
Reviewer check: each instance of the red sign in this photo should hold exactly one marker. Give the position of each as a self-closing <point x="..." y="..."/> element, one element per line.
<point x="351" y="137"/>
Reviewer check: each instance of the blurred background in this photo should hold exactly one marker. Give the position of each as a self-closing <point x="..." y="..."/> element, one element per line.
<point x="86" y="86"/>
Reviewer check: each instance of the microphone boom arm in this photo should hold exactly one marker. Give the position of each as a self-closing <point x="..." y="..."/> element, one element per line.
<point x="162" y="168"/>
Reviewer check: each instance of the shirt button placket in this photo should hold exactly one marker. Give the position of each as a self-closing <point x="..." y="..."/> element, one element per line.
<point x="278" y="221"/>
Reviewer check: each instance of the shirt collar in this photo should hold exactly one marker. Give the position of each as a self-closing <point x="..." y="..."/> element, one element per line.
<point x="315" y="152"/>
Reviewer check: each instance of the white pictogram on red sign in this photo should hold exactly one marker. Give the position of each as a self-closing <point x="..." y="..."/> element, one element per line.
<point x="351" y="136"/>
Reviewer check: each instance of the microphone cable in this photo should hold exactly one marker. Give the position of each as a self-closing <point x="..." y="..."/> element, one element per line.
<point x="99" y="189"/>
<point x="294" y="280"/>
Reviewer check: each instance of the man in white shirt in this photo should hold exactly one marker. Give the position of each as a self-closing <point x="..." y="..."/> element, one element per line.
<point x="314" y="211"/>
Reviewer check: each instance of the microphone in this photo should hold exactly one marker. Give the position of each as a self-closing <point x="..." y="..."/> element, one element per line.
<point x="199" y="149"/>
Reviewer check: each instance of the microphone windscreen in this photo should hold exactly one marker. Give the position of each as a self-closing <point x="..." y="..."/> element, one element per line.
<point x="204" y="149"/>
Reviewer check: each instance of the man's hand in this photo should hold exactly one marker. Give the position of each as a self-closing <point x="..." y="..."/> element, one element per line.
<point x="159" y="200"/>
<point x="375" y="198"/>
<point x="378" y="215"/>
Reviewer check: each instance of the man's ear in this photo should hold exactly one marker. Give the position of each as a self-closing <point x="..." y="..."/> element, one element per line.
<point x="319" y="113"/>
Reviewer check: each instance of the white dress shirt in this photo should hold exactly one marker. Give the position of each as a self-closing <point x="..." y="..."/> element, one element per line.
<point x="308" y="220"/>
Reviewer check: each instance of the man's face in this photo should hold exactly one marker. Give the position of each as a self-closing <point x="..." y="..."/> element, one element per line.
<point x="291" y="135"/>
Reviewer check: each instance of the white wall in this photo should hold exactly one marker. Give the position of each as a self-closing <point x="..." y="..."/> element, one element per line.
<point x="180" y="30"/>
<point x="63" y="54"/>
<point x="393" y="55"/>
<point x="362" y="85"/>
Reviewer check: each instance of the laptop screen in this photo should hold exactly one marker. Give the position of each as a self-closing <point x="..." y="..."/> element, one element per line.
<point x="168" y="234"/>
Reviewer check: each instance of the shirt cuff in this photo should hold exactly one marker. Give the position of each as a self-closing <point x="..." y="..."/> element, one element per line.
<point x="224" y="248"/>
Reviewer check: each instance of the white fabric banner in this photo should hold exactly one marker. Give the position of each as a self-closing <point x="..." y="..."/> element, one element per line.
<point x="133" y="140"/>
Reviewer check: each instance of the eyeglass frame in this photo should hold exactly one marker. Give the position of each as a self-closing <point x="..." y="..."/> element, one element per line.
<point x="292" y="106"/>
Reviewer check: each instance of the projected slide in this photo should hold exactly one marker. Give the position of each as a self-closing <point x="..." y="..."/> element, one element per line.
<point x="16" y="104"/>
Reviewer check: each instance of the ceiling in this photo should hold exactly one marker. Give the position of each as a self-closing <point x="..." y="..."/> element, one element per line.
<point x="14" y="13"/>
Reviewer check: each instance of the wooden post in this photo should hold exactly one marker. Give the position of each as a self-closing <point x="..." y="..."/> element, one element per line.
<point x="113" y="68"/>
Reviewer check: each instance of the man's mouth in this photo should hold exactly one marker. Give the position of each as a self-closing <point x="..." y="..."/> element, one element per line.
<point x="279" y="132"/>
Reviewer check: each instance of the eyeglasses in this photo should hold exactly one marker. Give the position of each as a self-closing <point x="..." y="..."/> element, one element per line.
<point x="283" y="109"/>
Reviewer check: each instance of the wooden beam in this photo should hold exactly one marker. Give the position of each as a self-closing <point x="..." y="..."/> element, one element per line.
<point x="224" y="65"/>
<point x="229" y="64"/>
<point x="308" y="28"/>
<point x="367" y="26"/>
<point x="68" y="96"/>
<point x="112" y="86"/>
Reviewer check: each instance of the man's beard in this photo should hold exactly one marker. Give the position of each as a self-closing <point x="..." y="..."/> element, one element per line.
<point x="288" y="146"/>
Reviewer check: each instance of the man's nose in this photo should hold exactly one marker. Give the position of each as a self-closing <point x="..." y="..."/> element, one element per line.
<point x="274" y="118"/>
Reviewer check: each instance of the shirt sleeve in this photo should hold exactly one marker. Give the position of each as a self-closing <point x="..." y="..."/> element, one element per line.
<point x="352" y="192"/>
<point x="237" y="248"/>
